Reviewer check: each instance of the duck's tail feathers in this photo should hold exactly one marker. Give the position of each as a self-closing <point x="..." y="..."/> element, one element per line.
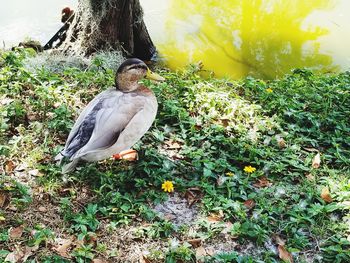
<point x="70" y="167"/>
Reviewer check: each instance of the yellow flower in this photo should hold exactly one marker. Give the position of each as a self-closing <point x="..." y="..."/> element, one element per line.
<point x="249" y="169"/>
<point x="269" y="90"/>
<point x="168" y="186"/>
<point x="230" y="174"/>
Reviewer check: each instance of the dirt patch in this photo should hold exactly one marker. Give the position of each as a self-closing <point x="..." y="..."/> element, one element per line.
<point x="177" y="210"/>
<point x="125" y="245"/>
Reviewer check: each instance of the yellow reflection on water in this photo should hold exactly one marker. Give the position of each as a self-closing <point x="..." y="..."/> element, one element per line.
<point x="263" y="38"/>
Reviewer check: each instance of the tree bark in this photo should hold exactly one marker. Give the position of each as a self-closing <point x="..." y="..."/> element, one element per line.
<point x="109" y="25"/>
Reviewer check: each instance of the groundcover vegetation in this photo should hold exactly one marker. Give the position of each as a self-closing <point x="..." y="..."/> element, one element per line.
<point x="262" y="167"/>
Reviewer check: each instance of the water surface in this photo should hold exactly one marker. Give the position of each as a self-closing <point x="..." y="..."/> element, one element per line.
<point x="35" y="19"/>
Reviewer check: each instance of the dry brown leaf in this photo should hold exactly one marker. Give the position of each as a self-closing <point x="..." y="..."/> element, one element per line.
<point x="281" y="142"/>
<point x="63" y="247"/>
<point x="32" y="116"/>
<point x="16" y="232"/>
<point x="200" y="252"/>
<point x="279" y="240"/>
<point x="250" y="203"/>
<point x="171" y="144"/>
<point x="144" y="259"/>
<point x="326" y="195"/>
<point x="99" y="260"/>
<point x="14" y="256"/>
<point x="193" y="195"/>
<point x="9" y="166"/>
<point x="195" y="242"/>
<point x="28" y="251"/>
<point x="3" y="198"/>
<point x="310" y="177"/>
<point x="262" y="182"/>
<point x="91" y="238"/>
<point x="216" y="217"/>
<point x="316" y="161"/>
<point x="225" y="122"/>
<point x="284" y="254"/>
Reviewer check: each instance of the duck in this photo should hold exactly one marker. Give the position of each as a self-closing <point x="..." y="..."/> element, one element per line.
<point x="114" y="120"/>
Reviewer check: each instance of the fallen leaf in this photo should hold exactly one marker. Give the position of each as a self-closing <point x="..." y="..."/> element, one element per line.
<point x="262" y="182"/>
<point x="284" y="254"/>
<point x="5" y="101"/>
<point x="16" y="232"/>
<point x="28" y="251"/>
<point x="216" y="217"/>
<point x="281" y="142"/>
<point x="210" y="251"/>
<point x="171" y="144"/>
<point x="279" y="240"/>
<point x="12" y="208"/>
<point x="21" y="167"/>
<point x="250" y="203"/>
<point x="225" y="122"/>
<point x="91" y="238"/>
<point x="200" y="252"/>
<point x="32" y="116"/>
<point x="3" y="198"/>
<point x="14" y="256"/>
<point x="144" y="259"/>
<point x="9" y="166"/>
<point x="326" y="195"/>
<point x="195" y="242"/>
<point x="316" y="161"/>
<point x="62" y="247"/>
<point x="310" y="177"/>
<point x="193" y="195"/>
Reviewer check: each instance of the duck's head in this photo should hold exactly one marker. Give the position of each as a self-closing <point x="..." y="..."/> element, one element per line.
<point x="130" y="72"/>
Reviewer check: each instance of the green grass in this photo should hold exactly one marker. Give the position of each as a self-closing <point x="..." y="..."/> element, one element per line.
<point x="219" y="127"/>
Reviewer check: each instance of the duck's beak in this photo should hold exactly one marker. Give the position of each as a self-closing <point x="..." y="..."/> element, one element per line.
<point x="153" y="76"/>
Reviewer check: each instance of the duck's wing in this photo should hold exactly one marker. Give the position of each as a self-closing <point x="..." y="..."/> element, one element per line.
<point x="88" y="109"/>
<point x="83" y="116"/>
<point x="102" y="127"/>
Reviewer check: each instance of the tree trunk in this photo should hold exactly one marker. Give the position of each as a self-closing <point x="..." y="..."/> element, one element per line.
<point x="109" y="25"/>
